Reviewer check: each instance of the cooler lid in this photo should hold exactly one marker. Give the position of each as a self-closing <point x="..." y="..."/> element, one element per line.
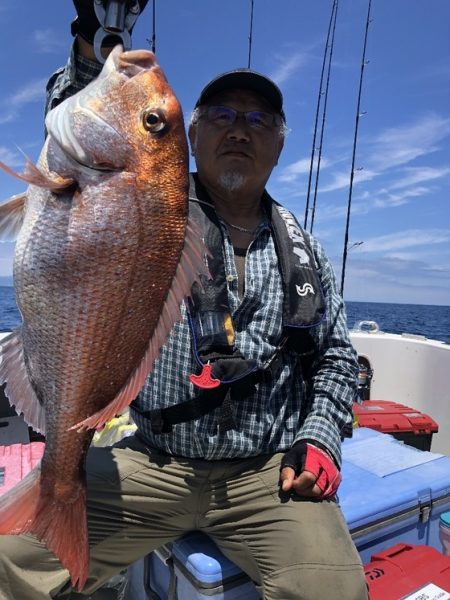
<point x="406" y="571"/>
<point x="390" y="417"/>
<point x="204" y="561"/>
<point x="382" y="477"/>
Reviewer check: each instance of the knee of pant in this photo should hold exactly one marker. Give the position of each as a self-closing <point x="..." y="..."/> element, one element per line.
<point x="316" y="582"/>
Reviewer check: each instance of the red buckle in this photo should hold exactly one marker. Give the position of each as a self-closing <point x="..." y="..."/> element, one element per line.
<point x="204" y="380"/>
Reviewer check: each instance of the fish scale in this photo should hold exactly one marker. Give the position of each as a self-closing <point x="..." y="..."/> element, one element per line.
<point x="105" y="255"/>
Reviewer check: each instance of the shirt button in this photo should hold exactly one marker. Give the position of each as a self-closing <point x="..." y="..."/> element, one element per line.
<point x="230" y="278"/>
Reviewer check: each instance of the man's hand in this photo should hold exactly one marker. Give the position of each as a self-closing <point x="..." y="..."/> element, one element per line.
<point x="86" y="24"/>
<point x="309" y="471"/>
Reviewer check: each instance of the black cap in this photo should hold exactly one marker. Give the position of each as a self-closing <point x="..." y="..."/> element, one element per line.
<point x="248" y="80"/>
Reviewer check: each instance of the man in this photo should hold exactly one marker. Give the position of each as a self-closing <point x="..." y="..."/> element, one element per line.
<point x="240" y="424"/>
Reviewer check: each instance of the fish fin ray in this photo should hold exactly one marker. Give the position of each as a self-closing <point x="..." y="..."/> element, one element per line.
<point x="18" y="388"/>
<point x="32" y="174"/>
<point x="18" y="506"/>
<point x="11" y="217"/>
<point x="192" y="264"/>
<point x="62" y="527"/>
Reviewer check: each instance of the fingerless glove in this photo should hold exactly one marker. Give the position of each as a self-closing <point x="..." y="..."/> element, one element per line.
<point x="306" y="456"/>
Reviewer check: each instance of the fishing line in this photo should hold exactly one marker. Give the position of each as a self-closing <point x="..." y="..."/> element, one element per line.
<point x="153" y="40"/>
<point x="319" y="101"/>
<point x="325" y="102"/>
<point x="355" y="139"/>
<point x="250" y="37"/>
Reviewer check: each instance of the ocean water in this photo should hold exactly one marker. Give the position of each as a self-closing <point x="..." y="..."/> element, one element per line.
<point x="431" y="321"/>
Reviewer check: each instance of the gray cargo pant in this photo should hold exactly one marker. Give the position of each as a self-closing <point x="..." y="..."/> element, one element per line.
<point x="139" y="499"/>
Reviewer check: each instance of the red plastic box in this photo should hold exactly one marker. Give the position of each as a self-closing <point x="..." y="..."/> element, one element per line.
<point x="16" y="461"/>
<point x="404" y="423"/>
<point x="408" y="573"/>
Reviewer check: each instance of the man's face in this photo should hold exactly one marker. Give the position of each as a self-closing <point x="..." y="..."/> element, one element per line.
<point x="235" y="156"/>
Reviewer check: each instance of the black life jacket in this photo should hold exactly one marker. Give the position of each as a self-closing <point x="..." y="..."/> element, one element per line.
<point x="225" y="375"/>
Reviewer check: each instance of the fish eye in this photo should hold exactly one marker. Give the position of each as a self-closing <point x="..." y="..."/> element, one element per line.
<point x="153" y="120"/>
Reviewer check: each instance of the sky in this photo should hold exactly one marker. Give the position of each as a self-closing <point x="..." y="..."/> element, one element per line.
<point x="399" y="230"/>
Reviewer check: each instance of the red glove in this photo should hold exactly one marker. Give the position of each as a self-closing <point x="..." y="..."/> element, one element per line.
<point x="305" y="456"/>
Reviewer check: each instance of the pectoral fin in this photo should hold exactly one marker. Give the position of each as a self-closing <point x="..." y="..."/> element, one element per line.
<point x="31" y="174"/>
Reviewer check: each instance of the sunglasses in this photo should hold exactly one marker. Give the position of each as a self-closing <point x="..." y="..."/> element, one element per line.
<point x="226" y="116"/>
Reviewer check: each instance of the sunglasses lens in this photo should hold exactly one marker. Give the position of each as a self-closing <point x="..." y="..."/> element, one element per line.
<point x="223" y="115"/>
<point x="259" y="119"/>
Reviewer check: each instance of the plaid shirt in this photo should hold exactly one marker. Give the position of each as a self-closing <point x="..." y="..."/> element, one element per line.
<point x="281" y="411"/>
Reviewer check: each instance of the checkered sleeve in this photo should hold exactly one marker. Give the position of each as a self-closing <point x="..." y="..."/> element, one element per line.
<point x="334" y="373"/>
<point x="70" y="79"/>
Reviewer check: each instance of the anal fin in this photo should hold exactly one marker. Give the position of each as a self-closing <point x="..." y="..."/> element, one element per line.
<point x="11" y="217"/>
<point x="18" y="388"/>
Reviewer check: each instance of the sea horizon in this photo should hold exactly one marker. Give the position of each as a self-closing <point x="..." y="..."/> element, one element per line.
<point x="10" y="283"/>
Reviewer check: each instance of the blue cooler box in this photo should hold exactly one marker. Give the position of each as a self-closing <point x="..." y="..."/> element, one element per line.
<point x="391" y="492"/>
<point x="193" y="568"/>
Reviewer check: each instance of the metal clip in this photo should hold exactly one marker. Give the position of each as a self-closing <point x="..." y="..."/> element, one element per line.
<point x="116" y="18"/>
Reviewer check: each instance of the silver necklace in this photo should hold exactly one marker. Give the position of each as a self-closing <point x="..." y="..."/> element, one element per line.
<point x="242" y="229"/>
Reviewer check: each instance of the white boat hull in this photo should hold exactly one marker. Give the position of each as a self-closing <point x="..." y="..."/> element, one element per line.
<point x="411" y="370"/>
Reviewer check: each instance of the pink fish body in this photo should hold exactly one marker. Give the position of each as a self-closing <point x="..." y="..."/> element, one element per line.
<point x="104" y="256"/>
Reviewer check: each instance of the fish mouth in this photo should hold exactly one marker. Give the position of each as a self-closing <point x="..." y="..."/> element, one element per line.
<point x="100" y="166"/>
<point x="132" y="62"/>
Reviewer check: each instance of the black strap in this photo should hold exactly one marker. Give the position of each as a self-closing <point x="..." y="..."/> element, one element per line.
<point x="162" y="420"/>
<point x="223" y="396"/>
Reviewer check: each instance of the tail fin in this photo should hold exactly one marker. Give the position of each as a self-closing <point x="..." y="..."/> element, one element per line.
<point x="62" y="527"/>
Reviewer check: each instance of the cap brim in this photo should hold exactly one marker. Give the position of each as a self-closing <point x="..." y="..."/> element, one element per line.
<point x="247" y="80"/>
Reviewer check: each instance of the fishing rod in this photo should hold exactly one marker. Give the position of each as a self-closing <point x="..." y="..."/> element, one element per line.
<point x="154" y="28"/>
<point x="319" y="101"/>
<point x="355" y="139"/>
<point x="250" y="37"/>
<point x="325" y="102"/>
<point x="152" y="41"/>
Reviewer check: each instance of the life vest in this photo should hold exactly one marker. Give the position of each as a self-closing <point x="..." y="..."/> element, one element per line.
<point x="224" y="374"/>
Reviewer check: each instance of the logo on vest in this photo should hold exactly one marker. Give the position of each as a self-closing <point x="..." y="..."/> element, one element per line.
<point x="296" y="235"/>
<point x="307" y="288"/>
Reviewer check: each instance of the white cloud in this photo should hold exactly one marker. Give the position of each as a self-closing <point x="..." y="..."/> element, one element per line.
<point x="406" y="239"/>
<point x="47" y="42"/>
<point x="341" y="180"/>
<point x="413" y="175"/>
<point x="400" y="145"/>
<point x="399" y="198"/>
<point x="395" y="147"/>
<point x="299" y="168"/>
<point x="31" y="92"/>
<point x="7" y="117"/>
<point x="288" y="66"/>
<point x="396" y="279"/>
<point x="10" y="158"/>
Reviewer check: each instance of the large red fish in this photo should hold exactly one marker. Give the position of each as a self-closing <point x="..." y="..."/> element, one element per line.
<point x="104" y="256"/>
